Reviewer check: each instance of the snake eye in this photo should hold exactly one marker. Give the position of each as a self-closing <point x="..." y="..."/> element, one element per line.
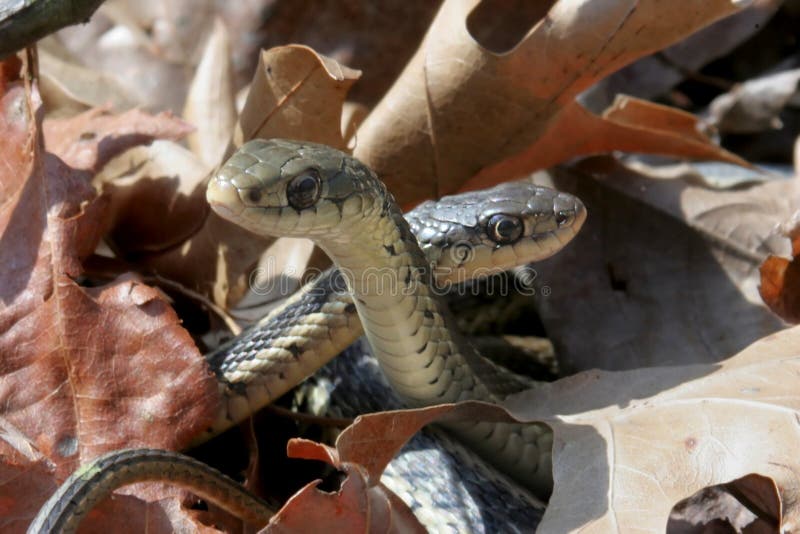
<point x="304" y="189"/>
<point x="504" y="229"/>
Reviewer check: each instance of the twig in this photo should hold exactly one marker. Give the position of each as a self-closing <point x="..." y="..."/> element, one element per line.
<point x="338" y="422"/>
<point x="110" y="268"/>
<point x="229" y="321"/>
<point x="714" y="81"/>
<point x="24" y="23"/>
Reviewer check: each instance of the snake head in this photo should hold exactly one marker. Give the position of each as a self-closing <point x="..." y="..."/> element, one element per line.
<point x="280" y="187"/>
<point x="479" y="233"/>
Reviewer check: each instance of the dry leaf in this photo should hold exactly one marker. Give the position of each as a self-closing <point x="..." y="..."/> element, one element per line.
<point x="780" y="282"/>
<point x="87" y="141"/>
<point x="85" y="370"/>
<point x="376" y="37"/>
<point x="26" y="479"/>
<point x="629" y="445"/>
<point x="297" y="94"/>
<point x="157" y="196"/>
<point x="668" y="268"/>
<point x="68" y="88"/>
<point x="419" y="137"/>
<point x="357" y="506"/>
<point x="210" y="102"/>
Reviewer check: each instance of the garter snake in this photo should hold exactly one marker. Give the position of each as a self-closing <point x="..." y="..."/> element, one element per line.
<point x="90" y="484"/>
<point x="463" y="237"/>
<point x="293" y="189"/>
<point x="288" y="188"/>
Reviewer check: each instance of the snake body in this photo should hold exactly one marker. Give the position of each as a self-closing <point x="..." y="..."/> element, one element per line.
<point x="287" y="188"/>
<point x="462" y="237"/>
<point x="90" y="484"/>
<point x="446" y="485"/>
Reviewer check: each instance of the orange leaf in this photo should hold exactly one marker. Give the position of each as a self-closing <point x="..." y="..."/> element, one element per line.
<point x="459" y="108"/>
<point x="780" y="282"/>
<point x="357" y="506"/>
<point x="630" y="124"/>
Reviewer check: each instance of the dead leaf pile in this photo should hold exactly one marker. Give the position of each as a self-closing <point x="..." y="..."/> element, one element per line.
<point x="105" y="236"/>
<point x="85" y="370"/>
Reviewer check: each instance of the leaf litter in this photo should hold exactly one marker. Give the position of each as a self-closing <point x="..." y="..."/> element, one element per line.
<point x="85" y="370"/>
<point x="668" y="268"/>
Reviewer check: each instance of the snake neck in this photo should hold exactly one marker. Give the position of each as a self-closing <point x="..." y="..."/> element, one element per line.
<point x="408" y="326"/>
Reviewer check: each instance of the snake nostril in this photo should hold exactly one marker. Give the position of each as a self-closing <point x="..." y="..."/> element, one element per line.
<point x="254" y="195"/>
<point x="562" y="217"/>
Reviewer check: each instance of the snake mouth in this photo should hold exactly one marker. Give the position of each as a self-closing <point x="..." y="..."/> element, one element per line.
<point x="579" y="215"/>
<point x="223" y="197"/>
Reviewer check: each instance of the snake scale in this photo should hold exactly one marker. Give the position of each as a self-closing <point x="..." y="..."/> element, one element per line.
<point x="281" y="187"/>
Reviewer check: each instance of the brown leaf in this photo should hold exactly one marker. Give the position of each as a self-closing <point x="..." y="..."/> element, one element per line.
<point x="377" y="38"/>
<point x="629" y="445"/>
<point x="210" y="102"/>
<point x="85" y="370"/>
<point x="87" y="141"/>
<point x="157" y="197"/>
<point x="668" y="267"/>
<point x="780" y="282"/>
<point x="26" y="479"/>
<point x="357" y="506"/>
<point x="68" y="88"/>
<point x="458" y="108"/>
<point x="296" y="94"/>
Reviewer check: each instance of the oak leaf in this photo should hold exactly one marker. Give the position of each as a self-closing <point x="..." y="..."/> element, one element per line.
<point x="461" y="110"/>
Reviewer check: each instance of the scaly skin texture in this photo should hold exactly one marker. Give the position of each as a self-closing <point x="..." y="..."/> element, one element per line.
<point x="92" y="483"/>
<point x="356" y="221"/>
<point x="320" y="320"/>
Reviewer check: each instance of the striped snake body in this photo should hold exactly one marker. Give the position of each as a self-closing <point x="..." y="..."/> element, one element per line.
<point x="287" y="188"/>
<point x="463" y="237"/>
<point x="265" y="187"/>
<point x="446" y="485"/>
